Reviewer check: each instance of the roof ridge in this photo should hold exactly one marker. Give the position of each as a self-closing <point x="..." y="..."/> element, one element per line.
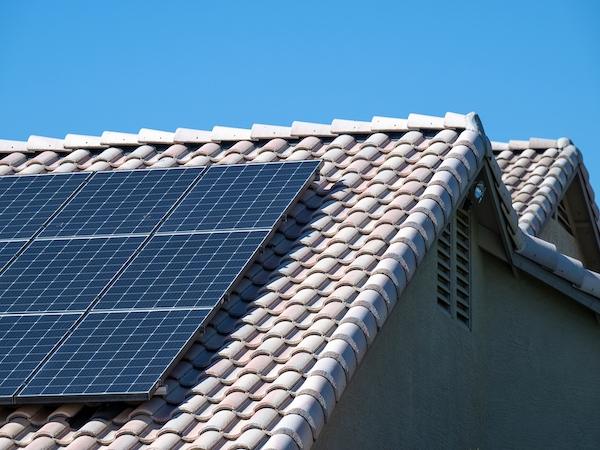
<point x="219" y="133"/>
<point x="533" y="143"/>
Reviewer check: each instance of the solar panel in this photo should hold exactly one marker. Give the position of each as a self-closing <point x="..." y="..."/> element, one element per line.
<point x="113" y="353"/>
<point x="63" y="274"/>
<point x="240" y="196"/>
<point x="183" y="271"/>
<point x="25" y="340"/>
<point x="28" y="201"/>
<point x="118" y="202"/>
<point x="142" y="291"/>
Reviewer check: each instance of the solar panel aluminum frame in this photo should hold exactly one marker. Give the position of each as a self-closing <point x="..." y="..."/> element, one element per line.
<point x="141" y="396"/>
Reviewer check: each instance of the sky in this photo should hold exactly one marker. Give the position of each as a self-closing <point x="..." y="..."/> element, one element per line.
<point x="529" y="69"/>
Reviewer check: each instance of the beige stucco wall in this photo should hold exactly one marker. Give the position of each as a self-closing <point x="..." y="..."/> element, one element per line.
<point x="526" y="375"/>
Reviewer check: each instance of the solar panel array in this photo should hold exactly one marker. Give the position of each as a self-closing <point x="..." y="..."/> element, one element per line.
<point x="105" y="284"/>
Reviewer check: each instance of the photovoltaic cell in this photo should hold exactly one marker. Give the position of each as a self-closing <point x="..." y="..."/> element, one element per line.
<point x="115" y="353"/>
<point x="183" y="271"/>
<point x="28" y="201"/>
<point x="63" y="274"/>
<point x="8" y="250"/>
<point x="240" y="196"/>
<point x="117" y="202"/>
<point x="25" y="340"/>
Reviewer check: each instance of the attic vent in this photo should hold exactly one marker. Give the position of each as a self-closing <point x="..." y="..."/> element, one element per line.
<point x="563" y="217"/>
<point x="454" y="268"/>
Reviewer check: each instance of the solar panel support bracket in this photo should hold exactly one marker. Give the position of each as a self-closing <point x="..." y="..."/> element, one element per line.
<point x="161" y="390"/>
<point x="225" y="299"/>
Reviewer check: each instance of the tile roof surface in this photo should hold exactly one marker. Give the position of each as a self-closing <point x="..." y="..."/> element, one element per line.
<point x="276" y="358"/>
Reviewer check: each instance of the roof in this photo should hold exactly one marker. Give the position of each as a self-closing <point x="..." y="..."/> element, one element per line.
<point x="276" y="359"/>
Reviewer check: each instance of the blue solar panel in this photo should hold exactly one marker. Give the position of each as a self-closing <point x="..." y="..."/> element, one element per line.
<point x="27" y="202"/>
<point x="183" y="271"/>
<point x="240" y="196"/>
<point x="143" y="292"/>
<point x="118" y="202"/>
<point x="111" y="354"/>
<point x="8" y="250"/>
<point x="63" y="274"/>
<point x="25" y="340"/>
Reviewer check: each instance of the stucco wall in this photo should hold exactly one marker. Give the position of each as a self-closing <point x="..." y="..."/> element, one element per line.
<point x="421" y="384"/>
<point x="565" y="242"/>
<point x="543" y="366"/>
<point x="525" y="376"/>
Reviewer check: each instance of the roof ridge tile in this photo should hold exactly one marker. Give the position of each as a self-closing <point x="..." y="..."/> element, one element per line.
<point x="261" y="131"/>
<point x="150" y="136"/>
<point x="74" y="141"/>
<point x="7" y="145"/>
<point x="41" y="143"/>
<point x="421" y="121"/>
<point x="116" y="138"/>
<point x="221" y="134"/>
<point x="343" y="126"/>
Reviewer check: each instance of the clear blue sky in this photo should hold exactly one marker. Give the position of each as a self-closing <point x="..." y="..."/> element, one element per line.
<point x="528" y="68"/>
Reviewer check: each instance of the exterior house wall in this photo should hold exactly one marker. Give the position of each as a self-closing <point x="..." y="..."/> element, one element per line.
<point x="421" y="383"/>
<point x="564" y="241"/>
<point x="525" y="376"/>
<point x="542" y="367"/>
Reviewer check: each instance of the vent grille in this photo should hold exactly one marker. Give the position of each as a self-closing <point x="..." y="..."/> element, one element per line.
<point x="445" y="271"/>
<point x="454" y="269"/>
<point x="563" y="217"/>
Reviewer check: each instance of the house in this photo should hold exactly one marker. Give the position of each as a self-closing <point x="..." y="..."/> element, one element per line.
<point x="429" y="289"/>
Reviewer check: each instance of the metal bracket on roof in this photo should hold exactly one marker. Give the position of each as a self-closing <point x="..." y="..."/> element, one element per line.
<point x="161" y="391"/>
<point x="225" y="299"/>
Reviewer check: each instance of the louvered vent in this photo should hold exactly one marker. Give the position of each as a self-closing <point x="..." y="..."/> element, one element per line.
<point x="463" y="267"/>
<point x="454" y="269"/>
<point x="445" y="271"/>
<point x="563" y="217"/>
